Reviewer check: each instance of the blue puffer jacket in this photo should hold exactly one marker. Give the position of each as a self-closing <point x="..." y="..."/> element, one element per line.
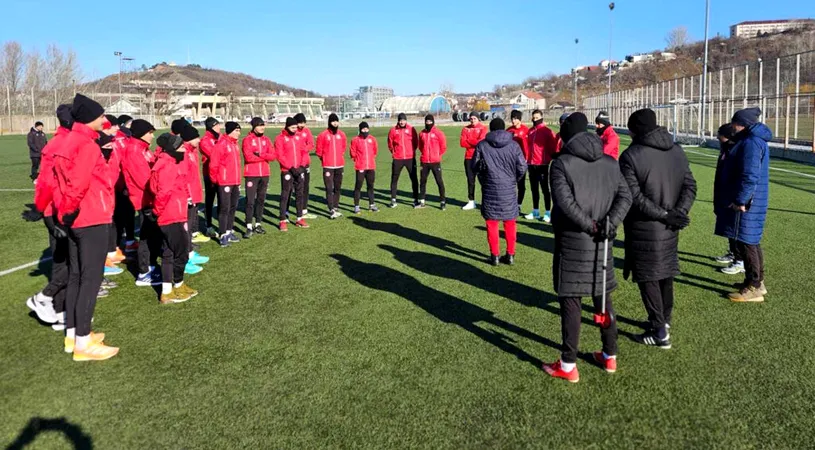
<point x="499" y="163"/>
<point x="745" y="178"/>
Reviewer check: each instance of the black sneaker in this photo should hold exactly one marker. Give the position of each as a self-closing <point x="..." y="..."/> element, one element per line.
<point x="443" y="206"/>
<point x="508" y="259"/>
<point x="493" y="260"/>
<point x="651" y="339"/>
<point x="259" y="230"/>
<point x="232" y="238"/>
<point x="225" y="241"/>
<point x="420" y="205"/>
<point x="248" y="234"/>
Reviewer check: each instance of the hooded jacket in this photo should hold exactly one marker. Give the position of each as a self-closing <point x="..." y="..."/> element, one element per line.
<point x="542" y="145"/>
<point x="363" y="152"/>
<point x="206" y="146"/>
<point x="611" y="142"/>
<point x="36" y="142"/>
<point x="587" y="186"/>
<point x="225" y="163"/>
<point x="194" y="186"/>
<point x="433" y="145"/>
<point x="258" y="152"/>
<point x="169" y="181"/>
<point x="331" y="149"/>
<point x="137" y="165"/>
<point x="660" y="180"/>
<point x="745" y="178"/>
<point x="499" y="164"/>
<point x="46" y="183"/>
<point x="520" y="135"/>
<point x="471" y="135"/>
<point x="289" y="152"/>
<point x="403" y="142"/>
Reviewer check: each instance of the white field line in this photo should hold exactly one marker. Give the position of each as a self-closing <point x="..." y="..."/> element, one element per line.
<point x="771" y="167"/>
<point x="24" y="266"/>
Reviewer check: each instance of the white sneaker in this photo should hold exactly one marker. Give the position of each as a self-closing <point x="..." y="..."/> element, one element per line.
<point x="534" y="215"/>
<point x="725" y="259"/>
<point x="44" y="309"/>
<point x="59" y="326"/>
<point x="734" y="269"/>
<point x="469" y="206"/>
<point x="547" y="217"/>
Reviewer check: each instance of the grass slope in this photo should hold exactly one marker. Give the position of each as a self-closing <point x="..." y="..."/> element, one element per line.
<point x="388" y="330"/>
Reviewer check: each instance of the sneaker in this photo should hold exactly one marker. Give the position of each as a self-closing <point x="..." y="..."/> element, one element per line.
<point x="443" y="206"/>
<point x="197" y="259"/>
<point x="96" y="352"/>
<point x="747" y="294"/>
<point x="608" y="364"/>
<point x="508" y="259"/>
<point x="232" y="238"/>
<point x="42" y="308"/>
<point x="199" y="238"/>
<point x="493" y="260"/>
<point x="102" y="293"/>
<point x="185" y="290"/>
<point x="309" y="216"/>
<point x="118" y="257"/>
<point x="301" y="223"/>
<point x="555" y="371"/>
<point x="109" y="284"/>
<point x="420" y="205"/>
<point x="534" y="215"/>
<point x="334" y="215"/>
<point x="224" y="241"/>
<point x="393" y="204"/>
<point x="212" y="232"/>
<point x="284" y="226"/>
<point x="192" y="269"/>
<point x="69" y="343"/>
<point x="373" y="208"/>
<point x="259" y="230"/>
<point x="650" y="339"/>
<point x="357" y="210"/>
<point x="59" y="326"/>
<point x="131" y="247"/>
<point x="762" y="288"/>
<point x="248" y="234"/>
<point x="148" y="279"/>
<point x="111" y="269"/>
<point x="173" y="297"/>
<point x="547" y="217"/>
<point x="724" y="259"/>
<point x="735" y="268"/>
<point x="469" y="206"/>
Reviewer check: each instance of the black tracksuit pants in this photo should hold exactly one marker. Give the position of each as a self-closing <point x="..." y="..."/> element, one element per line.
<point x="396" y="170"/>
<point x="256" y="188"/>
<point x="332" y="178"/>
<point x="56" y="288"/>
<point x="468" y="170"/>
<point x="35" y="166"/>
<point x="289" y="184"/>
<point x="753" y="264"/>
<point x="124" y="217"/>
<point x="539" y="182"/>
<point x="149" y="243"/>
<point x="175" y="254"/>
<point x="192" y="223"/>
<point x="306" y="185"/>
<point x="734" y="249"/>
<point x="658" y="298"/>
<point x="86" y="262"/>
<point x="369" y="177"/>
<point x="570" y="317"/>
<point x="436" y="168"/>
<point x="228" y="197"/>
<point x="522" y="190"/>
<point x="210" y="191"/>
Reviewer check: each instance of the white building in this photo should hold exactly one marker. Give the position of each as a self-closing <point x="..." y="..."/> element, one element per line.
<point x="529" y="100"/>
<point x="372" y="97"/>
<point x="751" y="29"/>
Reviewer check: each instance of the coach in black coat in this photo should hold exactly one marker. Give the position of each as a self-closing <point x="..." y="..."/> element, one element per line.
<point x="663" y="190"/>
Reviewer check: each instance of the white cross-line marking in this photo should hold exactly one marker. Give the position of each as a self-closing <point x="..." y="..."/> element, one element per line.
<point x="771" y="167"/>
<point x="25" y="266"/>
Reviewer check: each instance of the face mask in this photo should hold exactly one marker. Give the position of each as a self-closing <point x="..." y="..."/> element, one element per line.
<point x="537" y="122"/>
<point x="332" y="128"/>
<point x="364" y="134"/>
<point x="179" y="156"/>
<point x="600" y="131"/>
<point x="257" y="133"/>
<point x="428" y="127"/>
<point x="291" y="133"/>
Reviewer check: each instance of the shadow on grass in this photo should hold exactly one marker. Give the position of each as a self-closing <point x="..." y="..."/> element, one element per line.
<point x="38" y="425"/>
<point x="413" y="235"/>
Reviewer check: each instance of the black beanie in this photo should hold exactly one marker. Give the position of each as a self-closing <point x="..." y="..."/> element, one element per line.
<point x="603" y="119"/>
<point x="231" y="126"/>
<point x="430" y="118"/>
<point x="562" y="118"/>
<point x="363" y="125"/>
<point x="140" y="127"/>
<point x="746" y="117"/>
<point x="401" y="116"/>
<point x="210" y="122"/>
<point x="574" y="124"/>
<point x="114" y="122"/>
<point x="473" y="114"/>
<point x="515" y="114"/>
<point x="726" y="131"/>
<point x="642" y="122"/>
<point x="66" y="120"/>
<point x="169" y="143"/>
<point x="85" y="110"/>
<point x="124" y="119"/>
<point x="189" y="133"/>
<point x="177" y="125"/>
<point x="333" y="118"/>
<point x="256" y="122"/>
<point x="300" y="118"/>
<point x="498" y="124"/>
<point x="290" y="121"/>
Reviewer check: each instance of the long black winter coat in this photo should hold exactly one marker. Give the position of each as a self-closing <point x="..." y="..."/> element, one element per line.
<point x="36" y="142"/>
<point x="587" y="186"/>
<point x="660" y="180"/>
<point x="499" y="163"/>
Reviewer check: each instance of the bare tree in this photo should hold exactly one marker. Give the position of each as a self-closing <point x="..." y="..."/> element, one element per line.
<point x="678" y="37"/>
<point x="11" y="68"/>
<point x="61" y="72"/>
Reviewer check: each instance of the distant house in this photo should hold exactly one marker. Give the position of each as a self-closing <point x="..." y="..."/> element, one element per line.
<point x="123" y="106"/>
<point x="529" y="100"/>
<point x="562" y="106"/>
<point x="754" y="28"/>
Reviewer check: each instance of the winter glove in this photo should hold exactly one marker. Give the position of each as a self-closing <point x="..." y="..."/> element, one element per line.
<point x="31" y="215"/>
<point x="148" y="214"/>
<point x="676" y="220"/>
<point x="59" y="231"/>
<point x="605" y="230"/>
<point x="69" y="219"/>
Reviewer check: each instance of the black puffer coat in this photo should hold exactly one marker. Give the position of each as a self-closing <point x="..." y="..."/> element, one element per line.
<point x="499" y="163"/>
<point x="660" y="180"/>
<point x="587" y="186"/>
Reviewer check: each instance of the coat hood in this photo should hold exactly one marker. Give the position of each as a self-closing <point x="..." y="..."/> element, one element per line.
<point x="762" y="132"/>
<point x="586" y="146"/>
<point x="659" y="139"/>
<point x="499" y="138"/>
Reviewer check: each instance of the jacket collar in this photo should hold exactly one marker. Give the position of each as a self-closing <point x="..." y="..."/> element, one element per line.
<point x="85" y="130"/>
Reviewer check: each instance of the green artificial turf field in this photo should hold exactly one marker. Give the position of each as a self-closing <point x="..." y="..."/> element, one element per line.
<point x="388" y="330"/>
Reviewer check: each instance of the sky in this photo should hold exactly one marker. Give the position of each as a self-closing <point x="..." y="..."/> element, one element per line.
<point x="334" y="47"/>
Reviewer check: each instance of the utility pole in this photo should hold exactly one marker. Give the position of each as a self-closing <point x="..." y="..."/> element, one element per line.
<point x="119" y="54"/>
<point x="610" y="36"/>
<point x="576" y="72"/>
<point x="704" y="71"/>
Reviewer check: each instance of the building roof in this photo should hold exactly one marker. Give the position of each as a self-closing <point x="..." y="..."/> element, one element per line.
<point x="532" y="95"/>
<point x="762" y="22"/>
<point x="427" y="103"/>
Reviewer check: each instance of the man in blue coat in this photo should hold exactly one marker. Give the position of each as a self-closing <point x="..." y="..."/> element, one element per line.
<point x="744" y="198"/>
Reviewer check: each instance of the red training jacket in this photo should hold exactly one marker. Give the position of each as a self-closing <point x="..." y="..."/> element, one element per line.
<point x="611" y="143"/>
<point x="363" y="152"/>
<point x="136" y="167"/>
<point x="225" y="162"/>
<point x="541" y="145"/>
<point x="403" y="142"/>
<point x="168" y="180"/>
<point x="559" y="145"/>
<point x="432" y="144"/>
<point x="46" y="183"/>
<point x="520" y="134"/>
<point x="258" y="152"/>
<point x="471" y="135"/>
<point x="331" y="149"/>
<point x="206" y="146"/>
<point x="307" y="141"/>
<point x="83" y="179"/>
<point x="193" y="174"/>
<point x="289" y="152"/>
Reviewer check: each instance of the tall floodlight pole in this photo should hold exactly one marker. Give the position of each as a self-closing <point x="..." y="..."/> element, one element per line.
<point x="610" y="35"/>
<point x="119" y="54"/>
<point x="576" y="72"/>
<point x="704" y="71"/>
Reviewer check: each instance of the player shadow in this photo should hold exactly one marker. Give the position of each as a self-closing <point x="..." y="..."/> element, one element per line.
<point x="43" y="267"/>
<point x="77" y="437"/>
<point x="413" y="235"/>
<point x="444" y="307"/>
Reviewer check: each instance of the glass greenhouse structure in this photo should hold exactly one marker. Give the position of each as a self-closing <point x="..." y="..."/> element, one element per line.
<point x="434" y="104"/>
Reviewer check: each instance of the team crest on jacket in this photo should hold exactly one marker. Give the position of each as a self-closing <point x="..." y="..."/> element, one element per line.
<point x="249" y="184"/>
<point x="407" y="131"/>
<point x="227" y="189"/>
<point x="370" y="141"/>
<point x="287" y="177"/>
<point x="328" y="174"/>
<point x="337" y="137"/>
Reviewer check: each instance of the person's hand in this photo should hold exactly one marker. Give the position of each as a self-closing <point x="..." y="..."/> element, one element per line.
<point x="676" y="220"/>
<point x="738" y="208"/>
<point x="69" y="219"/>
<point x="148" y="214"/>
<point x="59" y="231"/>
<point x="606" y="230"/>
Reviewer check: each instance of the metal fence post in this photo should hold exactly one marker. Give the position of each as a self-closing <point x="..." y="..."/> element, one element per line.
<point x="777" y="92"/>
<point x="787" y="126"/>
<point x="797" y="89"/>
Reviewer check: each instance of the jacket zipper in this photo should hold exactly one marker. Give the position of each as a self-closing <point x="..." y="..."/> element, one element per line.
<point x="102" y="199"/>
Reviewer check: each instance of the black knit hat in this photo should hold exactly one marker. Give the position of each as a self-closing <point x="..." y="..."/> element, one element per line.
<point x="363" y="125"/>
<point x="473" y="114"/>
<point x="66" y="120"/>
<point x="210" y="122"/>
<point x="727" y="131"/>
<point x="574" y="124"/>
<point x="562" y="118"/>
<point x="85" y="110"/>
<point x="516" y="114"/>
<point x="114" y="121"/>
<point x="300" y="118"/>
<point x="189" y="133"/>
<point x="256" y="122"/>
<point x="140" y="127"/>
<point x="746" y="117"/>
<point x="124" y="119"/>
<point x="642" y="122"/>
<point x="430" y="118"/>
<point x="177" y="125"/>
<point x="497" y="124"/>
<point x="290" y="121"/>
<point x="231" y="126"/>
<point x="333" y="118"/>
<point x="169" y="142"/>
<point x="602" y="119"/>
<point x="401" y="116"/>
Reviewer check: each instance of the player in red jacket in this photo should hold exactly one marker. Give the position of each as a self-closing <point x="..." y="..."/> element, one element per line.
<point x="84" y="204"/>
<point x="471" y="135"/>
<point x="211" y="137"/>
<point x="402" y="143"/>
<point x="258" y="152"/>
<point x="307" y="140"/>
<point x="520" y="132"/>
<point x="225" y="171"/>
<point x="611" y="142"/>
<point x="169" y="180"/>
<point x="559" y="140"/>
<point x="192" y="141"/>
<point x="331" y="145"/>
<point x="542" y="145"/>
<point x="124" y="216"/>
<point x="293" y="158"/>
<point x="363" y="151"/>
<point x="432" y="145"/>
